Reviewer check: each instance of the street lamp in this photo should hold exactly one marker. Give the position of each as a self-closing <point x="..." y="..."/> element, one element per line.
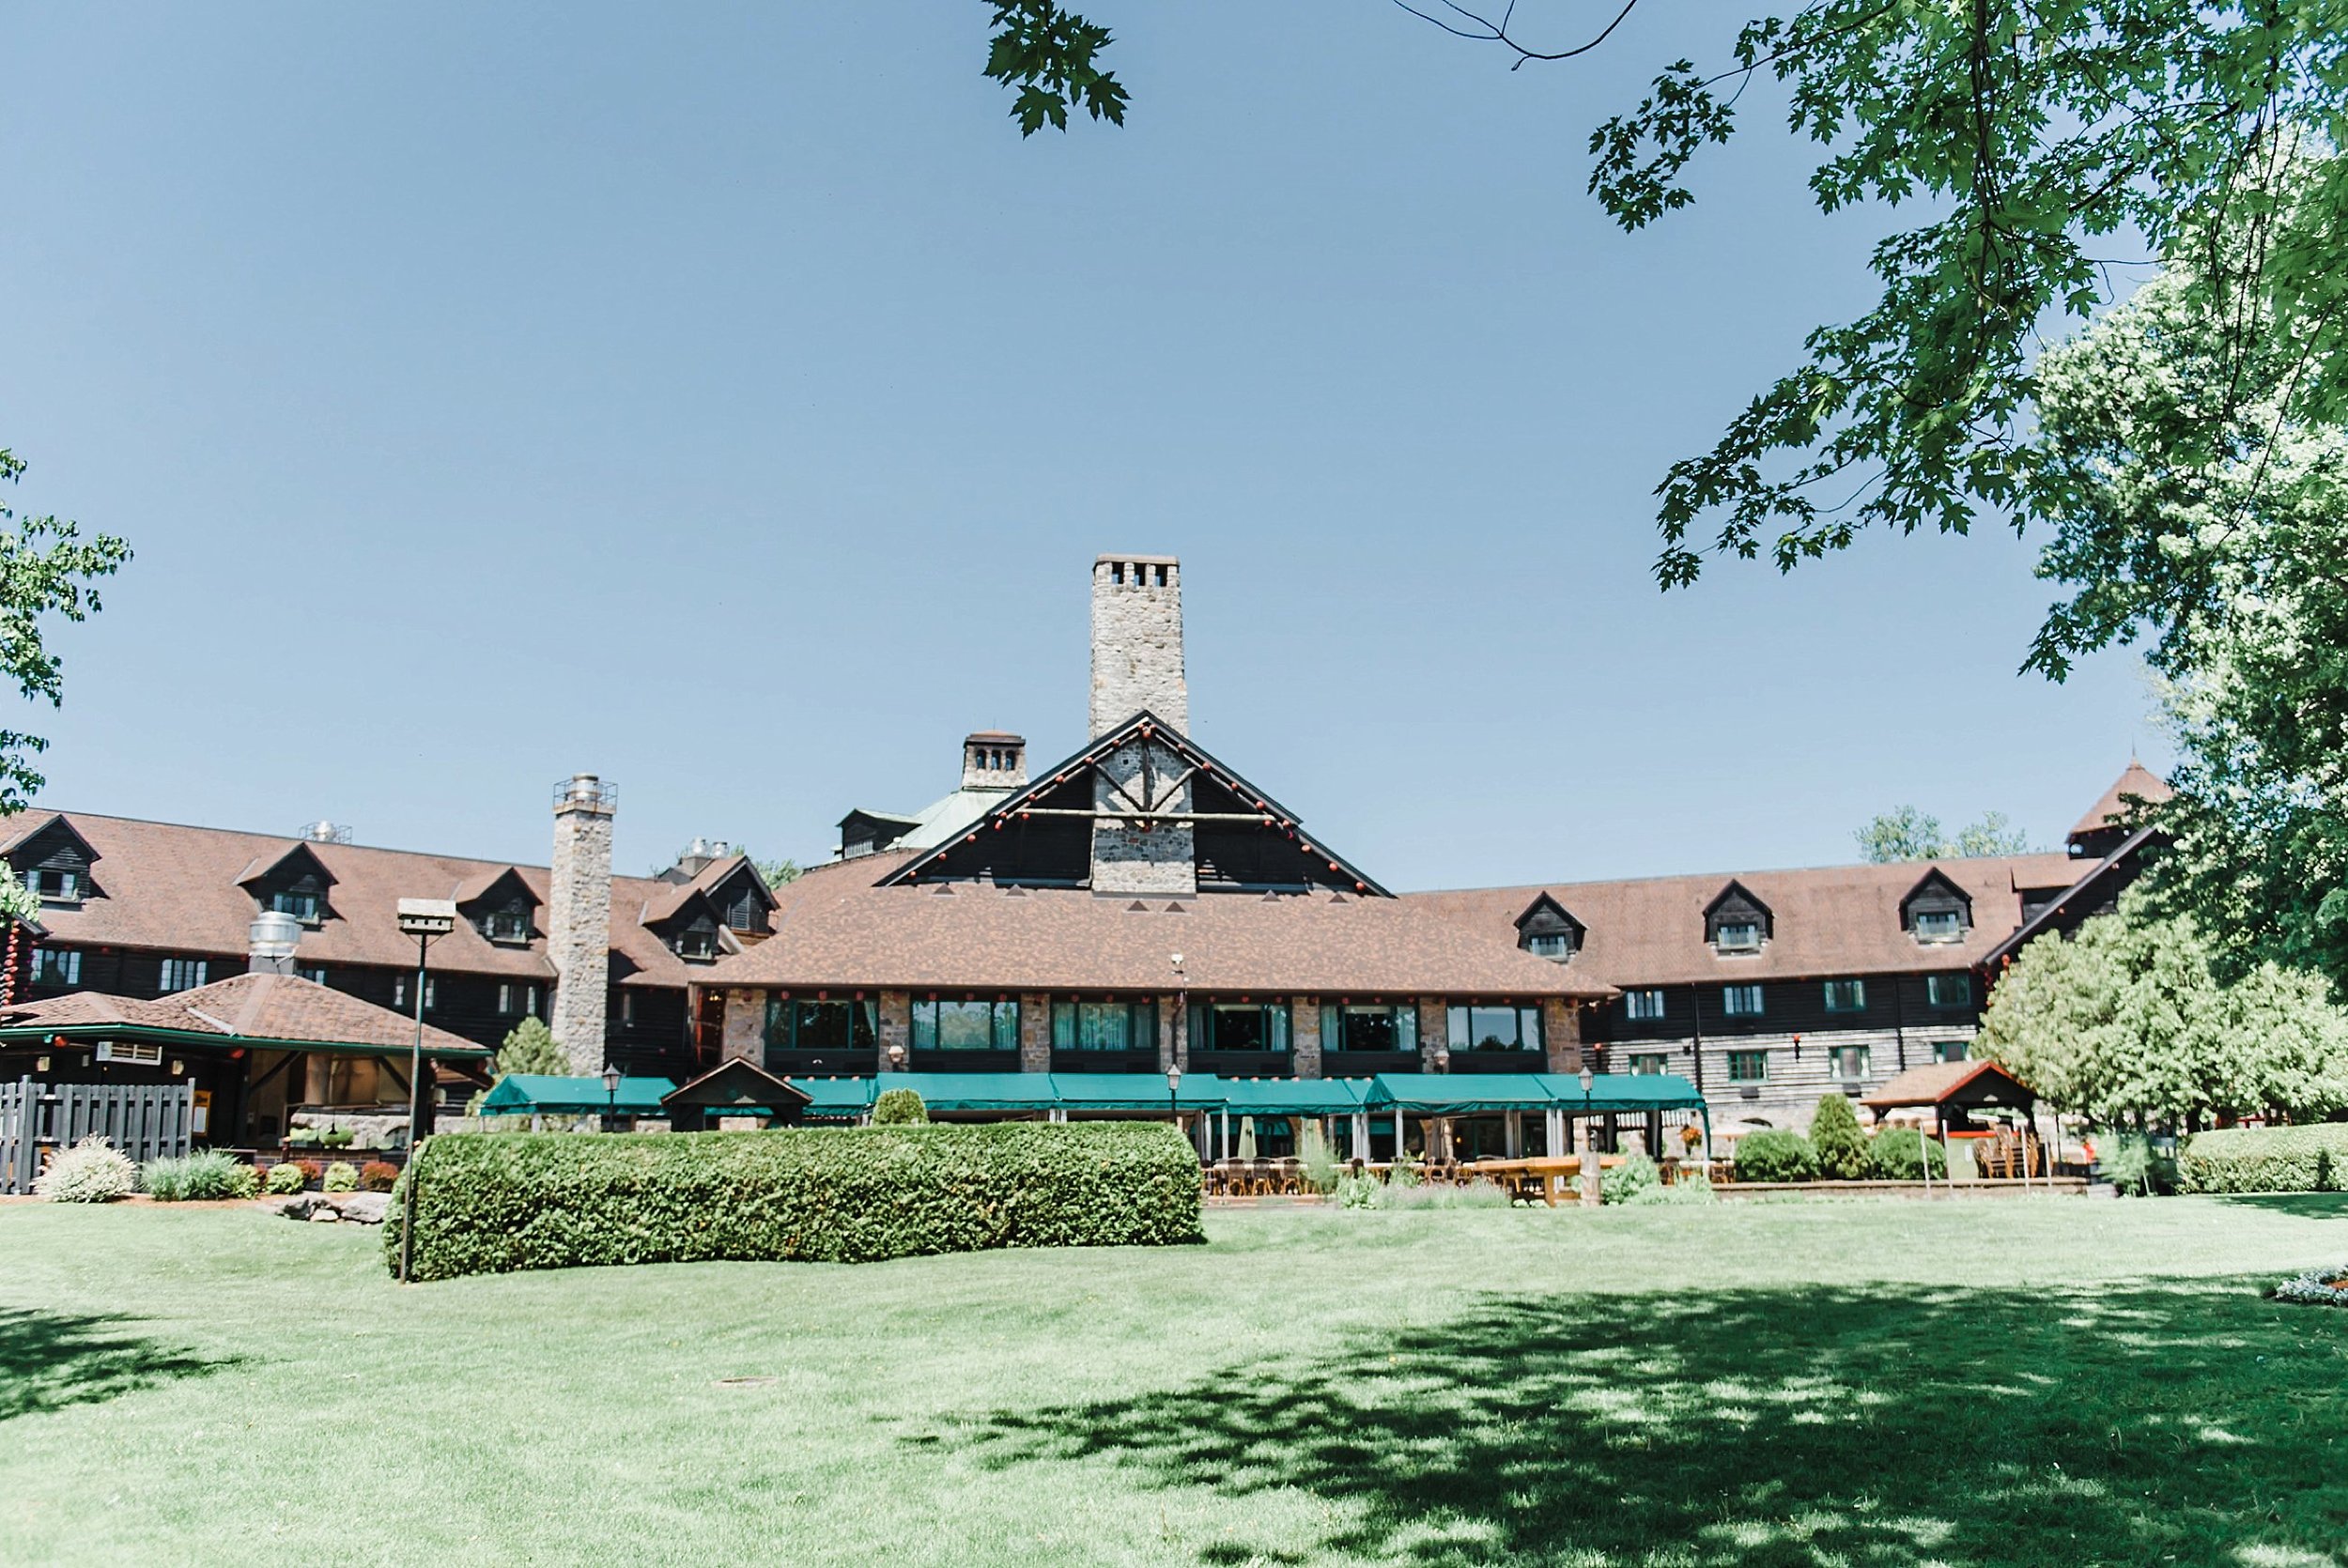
<point x="425" y="919"/>
<point x="610" y="1094"/>
<point x="1443" y="1058"/>
<point x="1174" y="1094"/>
<point x="896" y="1057"/>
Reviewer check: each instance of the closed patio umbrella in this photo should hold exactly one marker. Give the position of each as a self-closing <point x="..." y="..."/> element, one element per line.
<point x="1248" y="1137"/>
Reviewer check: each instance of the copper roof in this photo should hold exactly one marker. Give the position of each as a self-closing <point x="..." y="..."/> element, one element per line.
<point x="835" y="928"/>
<point x="270" y="1007"/>
<point x="174" y="888"/>
<point x="2113" y="809"/>
<point x="1824" y="921"/>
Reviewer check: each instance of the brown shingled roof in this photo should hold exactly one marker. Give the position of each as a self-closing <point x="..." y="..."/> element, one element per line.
<point x="834" y="928"/>
<point x="273" y="1007"/>
<point x="2113" y="809"/>
<point x="1825" y="921"/>
<point x="175" y="888"/>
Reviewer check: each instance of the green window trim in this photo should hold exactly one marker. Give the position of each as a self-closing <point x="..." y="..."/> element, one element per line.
<point x="813" y="1023"/>
<point x="1107" y="1026"/>
<point x="1748" y="1067"/>
<point x="1846" y="996"/>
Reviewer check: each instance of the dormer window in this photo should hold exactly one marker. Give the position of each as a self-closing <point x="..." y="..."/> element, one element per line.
<point x="1937" y="909"/>
<point x="746" y="914"/>
<point x="57" y="886"/>
<point x="1939" y="925"/>
<point x="1547" y="931"/>
<point x="1549" y="944"/>
<point x="698" y="940"/>
<point x="508" y="924"/>
<point x="301" y="904"/>
<point x="1736" y="921"/>
<point x="1738" y="936"/>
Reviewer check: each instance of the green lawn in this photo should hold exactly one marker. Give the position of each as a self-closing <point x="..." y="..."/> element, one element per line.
<point x="2042" y="1382"/>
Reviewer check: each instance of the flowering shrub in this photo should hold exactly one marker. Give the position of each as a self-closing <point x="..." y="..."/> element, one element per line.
<point x="285" y="1179"/>
<point x="2317" y="1287"/>
<point x="378" y="1176"/>
<point x="92" y="1170"/>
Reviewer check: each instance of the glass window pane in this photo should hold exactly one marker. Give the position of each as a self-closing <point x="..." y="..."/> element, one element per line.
<point x="1238" y="1028"/>
<point x="1460" y="1039"/>
<point x="924" y="1026"/>
<point x="1406" y="1028"/>
<point x="1370" y="1029"/>
<point x="1006" y="1026"/>
<point x="1277" y="1021"/>
<point x="1493" y="1028"/>
<point x="965" y="1026"/>
<point x="1529" y="1028"/>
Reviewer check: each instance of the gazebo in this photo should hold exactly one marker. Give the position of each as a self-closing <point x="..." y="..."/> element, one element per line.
<point x="734" y="1089"/>
<point x="1955" y="1092"/>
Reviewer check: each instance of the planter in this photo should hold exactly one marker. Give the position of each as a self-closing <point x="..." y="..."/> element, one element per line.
<point x="2317" y="1287"/>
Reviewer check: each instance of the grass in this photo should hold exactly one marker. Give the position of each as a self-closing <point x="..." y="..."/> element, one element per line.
<point x="2042" y="1382"/>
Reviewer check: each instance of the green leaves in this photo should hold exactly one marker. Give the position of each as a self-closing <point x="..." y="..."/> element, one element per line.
<point x="46" y="567"/>
<point x="1050" y="54"/>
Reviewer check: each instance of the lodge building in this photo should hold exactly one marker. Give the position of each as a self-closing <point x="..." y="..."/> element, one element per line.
<point x="1138" y="905"/>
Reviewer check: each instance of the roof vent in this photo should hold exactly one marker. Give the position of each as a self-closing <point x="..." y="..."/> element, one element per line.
<point x="270" y="942"/>
<point x="324" y="832"/>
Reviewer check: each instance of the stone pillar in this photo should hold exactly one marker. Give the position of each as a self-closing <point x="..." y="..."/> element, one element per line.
<point x="744" y="1039"/>
<point x="1305" y="1035"/>
<point x="1137" y="641"/>
<point x="896" y="1027"/>
<point x="1561" y="1034"/>
<point x="1434" y="1030"/>
<point x="578" y="917"/>
<point x="1035" y="1034"/>
<point x="1173" y="1034"/>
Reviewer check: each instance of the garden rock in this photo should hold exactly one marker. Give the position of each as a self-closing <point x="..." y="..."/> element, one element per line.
<point x="364" y="1209"/>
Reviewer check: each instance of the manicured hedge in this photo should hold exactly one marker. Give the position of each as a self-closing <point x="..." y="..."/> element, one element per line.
<point x="494" y="1202"/>
<point x="1776" y="1153"/>
<point x="2309" y="1158"/>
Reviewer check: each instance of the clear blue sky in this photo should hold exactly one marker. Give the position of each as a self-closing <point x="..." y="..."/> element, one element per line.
<point x="725" y="399"/>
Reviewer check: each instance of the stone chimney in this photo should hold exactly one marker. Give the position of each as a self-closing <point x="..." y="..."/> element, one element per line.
<point x="579" y="915"/>
<point x="270" y="942"/>
<point x="1137" y="641"/>
<point x="993" y="759"/>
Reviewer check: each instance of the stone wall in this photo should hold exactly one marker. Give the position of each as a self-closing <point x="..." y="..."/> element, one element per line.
<point x="896" y="1028"/>
<point x="578" y="920"/>
<point x="1035" y="1034"/>
<point x="744" y="1036"/>
<point x="1156" y="860"/>
<point x="1434" y="1031"/>
<point x="1304" y="1035"/>
<point x="1561" y="1034"/>
<point x="1137" y="641"/>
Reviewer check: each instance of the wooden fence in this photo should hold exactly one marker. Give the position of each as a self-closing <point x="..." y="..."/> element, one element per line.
<point x="145" y="1121"/>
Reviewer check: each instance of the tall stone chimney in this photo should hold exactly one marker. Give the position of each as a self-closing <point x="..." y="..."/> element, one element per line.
<point x="1137" y="664"/>
<point x="1137" y="641"/>
<point x="579" y="915"/>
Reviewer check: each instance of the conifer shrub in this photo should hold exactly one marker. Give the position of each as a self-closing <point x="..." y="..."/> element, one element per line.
<point x="92" y="1170"/>
<point x="1776" y="1153"/>
<point x="1836" y="1137"/>
<point x="491" y="1203"/>
<point x="1904" y="1154"/>
<point x="2308" y="1158"/>
<point x="900" y="1108"/>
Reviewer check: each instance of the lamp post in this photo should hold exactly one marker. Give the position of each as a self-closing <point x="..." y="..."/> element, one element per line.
<point x="1589" y="1143"/>
<point x="425" y="919"/>
<point x="610" y="1094"/>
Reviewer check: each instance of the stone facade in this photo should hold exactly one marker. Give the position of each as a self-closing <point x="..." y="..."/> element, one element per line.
<point x="1137" y="641"/>
<point x="745" y="1036"/>
<point x="1035" y="1034"/>
<point x="1434" y="1031"/>
<point x="895" y="1030"/>
<point x="1304" y="1035"/>
<point x="579" y="919"/>
<point x="1135" y="857"/>
<point x="1561" y="1034"/>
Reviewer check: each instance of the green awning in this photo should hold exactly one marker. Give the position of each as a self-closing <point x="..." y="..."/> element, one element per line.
<point x="832" y="1099"/>
<point x="1443" y="1094"/>
<point x="1135" y="1091"/>
<point x="1292" y="1097"/>
<point x="525" y="1094"/>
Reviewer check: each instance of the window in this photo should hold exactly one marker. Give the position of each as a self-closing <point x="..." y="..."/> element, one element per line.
<point x="1488" y="1028"/>
<point x="798" y="1023"/>
<point x="517" y="996"/>
<point x="698" y="940"/>
<point x="511" y="924"/>
<point x="743" y="913"/>
<point x="1846" y="996"/>
<point x="1649" y="1064"/>
<point x="962" y="1025"/>
<point x="316" y="976"/>
<point x="401" y="995"/>
<point x="1748" y="1067"/>
<point x="54" y="966"/>
<point x="1350" y="1026"/>
<point x="1949" y="1051"/>
<point x="304" y="906"/>
<point x="58" y="886"/>
<point x="1549" y="944"/>
<point x="1939" y="925"/>
<point x="1949" y="990"/>
<point x="1849" y="1061"/>
<point x="182" y="974"/>
<point x="1741" y="1001"/>
<point x="1643" y="1006"/>
<point x="1738" y="936"/>
<point x="1240" y="1026"/>
<point x="1105" y="1026"/>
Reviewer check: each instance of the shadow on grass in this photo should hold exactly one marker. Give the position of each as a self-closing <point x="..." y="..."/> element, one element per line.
<point x="2311" y="1206"/>
<point x="49" y="1360"/>
<point x="2127" y="1423"/>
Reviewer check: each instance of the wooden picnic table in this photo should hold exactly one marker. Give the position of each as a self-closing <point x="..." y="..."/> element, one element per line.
<point x="1554" y="1173"/>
